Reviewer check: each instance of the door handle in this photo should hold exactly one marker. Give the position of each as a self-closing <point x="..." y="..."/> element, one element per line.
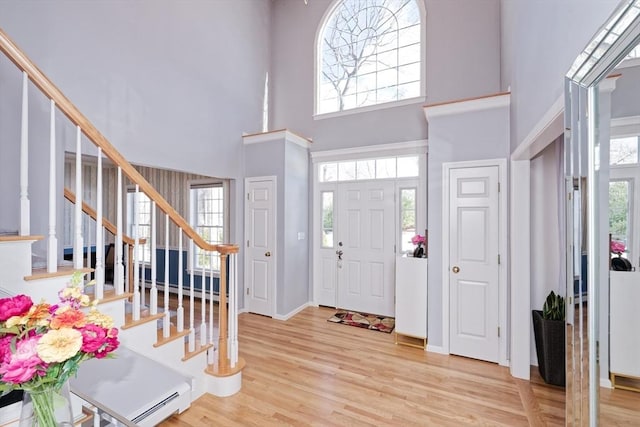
<point x="267" y="254"/>
<point x="455" y="269"/>
<point x="339" y="253"/>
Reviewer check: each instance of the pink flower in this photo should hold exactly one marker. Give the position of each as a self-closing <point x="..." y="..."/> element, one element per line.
<point x="93" y="338"/>
<point x="23" y="364"/>
<point x="111" y="344"/>
<point x="5" y="349"/>
<point x="15" y="306"/>
<point x="617" y="247"/>
<point x="418" y="240"/>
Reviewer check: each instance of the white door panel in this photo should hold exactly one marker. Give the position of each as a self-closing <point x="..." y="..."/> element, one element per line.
<point x="366" y="229"/>
<point x="260" y="232"/>
<point x="473" y="257"/>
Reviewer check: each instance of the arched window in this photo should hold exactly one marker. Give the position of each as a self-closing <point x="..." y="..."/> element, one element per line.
<point x="369" y="53"/>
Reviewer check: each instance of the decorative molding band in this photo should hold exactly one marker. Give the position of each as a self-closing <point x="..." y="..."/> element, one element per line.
<point x="277" y="135"/>
<point x="292" y="313"/>
<point x="467" y="105"/>
<point x="369" y="108"/>
<point x="625" y="126"/>
<point x="548" y="128"/>
<point x="415" y="147"/>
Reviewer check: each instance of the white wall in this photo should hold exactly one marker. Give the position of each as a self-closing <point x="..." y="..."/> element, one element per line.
<point x="540" y="40"/>
<point x="463" y="60"/>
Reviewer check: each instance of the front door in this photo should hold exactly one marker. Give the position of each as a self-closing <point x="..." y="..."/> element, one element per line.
<point x="474" y="262"/>
<point x="366" y="243"/>
<point x="260" y="255"/>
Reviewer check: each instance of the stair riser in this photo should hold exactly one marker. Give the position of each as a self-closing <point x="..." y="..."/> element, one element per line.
<point x="15" y="260"/>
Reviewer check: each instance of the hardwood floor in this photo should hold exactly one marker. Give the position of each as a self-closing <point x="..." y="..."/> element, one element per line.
<point x="307" y="371"/>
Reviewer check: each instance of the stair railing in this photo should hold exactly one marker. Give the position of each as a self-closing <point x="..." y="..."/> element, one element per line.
<point x="227" y="358"/>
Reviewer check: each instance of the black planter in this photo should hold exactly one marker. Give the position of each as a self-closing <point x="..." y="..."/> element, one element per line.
<point x="550" y="348"/>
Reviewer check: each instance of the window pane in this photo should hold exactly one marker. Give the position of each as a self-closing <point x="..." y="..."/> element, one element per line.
<point x="209" y="213"/>
<point x="366" y="169"/>
<point x="408" y="218"/>
<point x="327" y="219"/>
<point x="619" y="212"/>
<point x="346" y="171"/>
<point x="624" y="151"/>
<point x="408" y="166"/>
<point x="386" y="168"/>
<point x="328" y="172"/>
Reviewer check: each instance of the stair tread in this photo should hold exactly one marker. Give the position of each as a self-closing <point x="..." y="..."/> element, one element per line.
<point x="17" y="238"/>
<point x="199" y="349"/>
<point x="145" y="317"/>
<point x="63" y="270"/>
<point x="173" y="335"/>
<point x="108" y="295"/>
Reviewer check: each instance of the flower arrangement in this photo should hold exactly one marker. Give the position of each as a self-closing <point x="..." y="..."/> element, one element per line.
<point x="617" y="247"/>
<point x="418" y="240"/>
<point x="42" y="345"/>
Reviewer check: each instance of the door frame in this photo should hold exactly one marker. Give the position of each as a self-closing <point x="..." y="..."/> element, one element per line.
<point x="417" y="147"/>
<point x="274" y="224"/>
<point x="503" y="356"/>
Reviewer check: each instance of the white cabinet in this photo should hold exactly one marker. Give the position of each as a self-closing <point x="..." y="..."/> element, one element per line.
<point x="411" y="301"/>
<point x="624" y="339"/>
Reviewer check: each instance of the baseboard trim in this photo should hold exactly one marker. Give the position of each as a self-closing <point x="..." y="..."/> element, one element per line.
<point x="605" y="383"/>
<point x="436" y="349"/>
<point x="292" y="313"/>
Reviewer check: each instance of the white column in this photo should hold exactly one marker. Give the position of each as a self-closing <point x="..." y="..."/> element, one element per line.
<point x="25" y="208"/>
<point x="153" y="295"/>
<point x="180" y="311"/>
<point x="78" y="242"/>
<point x="136" y="245"/>
<point x="118" y="268"/>
<point x="99" y="274"/>
<point x="52" y="248"/>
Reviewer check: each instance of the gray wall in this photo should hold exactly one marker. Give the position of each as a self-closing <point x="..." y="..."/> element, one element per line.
<point x="462" y="60"/>
<point x="540" y="40"/>
<point x="454" y="138"/>
<point x="624" y="99"/>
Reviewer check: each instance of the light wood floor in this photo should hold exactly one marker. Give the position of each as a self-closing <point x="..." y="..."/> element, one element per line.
<point x="307" y="371"/>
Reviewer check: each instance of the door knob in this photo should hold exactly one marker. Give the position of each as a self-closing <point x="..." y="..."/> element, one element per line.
<point x="339" y="253"/>
<point x="267" y="254"/>
<point x="455" y="269"/>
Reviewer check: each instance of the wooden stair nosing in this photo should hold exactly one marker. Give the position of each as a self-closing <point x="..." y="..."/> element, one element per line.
<point x="173" y="335"/>
<point x="17" y="238"/>
<point x="199" y="349"/>
<point x="42" y="273"/>
<point x="110" y="296"/>
<point x="210" y="370"/>
<point x="130" y="323"/>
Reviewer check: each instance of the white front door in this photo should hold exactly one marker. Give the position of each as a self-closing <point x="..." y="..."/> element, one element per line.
<point x="366" y="240"/>
<point x="473" y="262"/>
<point x="260" y="230"/>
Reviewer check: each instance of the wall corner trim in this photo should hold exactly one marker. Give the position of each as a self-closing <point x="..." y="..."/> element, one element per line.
<point x="277" y="135"/>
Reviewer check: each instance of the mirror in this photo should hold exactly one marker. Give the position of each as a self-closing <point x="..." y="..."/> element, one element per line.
<point x="602" y="178"/>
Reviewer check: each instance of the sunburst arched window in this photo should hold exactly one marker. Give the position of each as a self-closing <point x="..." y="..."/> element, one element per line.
<point x="369" y="53"/>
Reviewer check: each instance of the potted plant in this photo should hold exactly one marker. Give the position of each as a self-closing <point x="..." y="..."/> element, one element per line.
<point x="549" y="331"/>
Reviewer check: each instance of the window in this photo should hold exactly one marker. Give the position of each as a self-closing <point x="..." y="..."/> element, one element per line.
<point x="327" y="219"/>
<point x="624" y="151"/>
<point x="208" y="218"/>
<point x="620" y="212"/>
<point x="350" y="170"/>
<point x="143" y="212"/>
<point x="369" y="53"/>
<point x="408" y="209"/>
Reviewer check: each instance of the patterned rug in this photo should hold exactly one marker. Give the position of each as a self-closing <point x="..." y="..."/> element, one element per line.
<point x="364" y="320"/>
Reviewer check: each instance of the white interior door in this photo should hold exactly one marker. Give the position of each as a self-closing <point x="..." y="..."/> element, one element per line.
<point x="474" y="262"/>
<point x="260" y="225"/>
<point x="366" y="240"/>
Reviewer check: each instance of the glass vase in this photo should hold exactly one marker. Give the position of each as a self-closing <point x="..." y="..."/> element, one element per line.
<point x="45" y="406"/>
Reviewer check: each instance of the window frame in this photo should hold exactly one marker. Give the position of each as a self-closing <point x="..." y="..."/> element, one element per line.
<point x="319" y="39"/>
<point x="204" y="183"/>
<point x="146" y="248"/>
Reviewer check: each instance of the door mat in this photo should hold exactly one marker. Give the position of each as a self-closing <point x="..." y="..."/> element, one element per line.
<point x="364" y="320"/>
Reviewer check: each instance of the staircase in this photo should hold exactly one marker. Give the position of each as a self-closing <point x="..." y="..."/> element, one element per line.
<point x="205" y="350"/>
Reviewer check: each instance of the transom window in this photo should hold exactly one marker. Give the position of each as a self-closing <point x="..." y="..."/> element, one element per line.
<point x="369" y="53"/>
<point x="351" y="170"/>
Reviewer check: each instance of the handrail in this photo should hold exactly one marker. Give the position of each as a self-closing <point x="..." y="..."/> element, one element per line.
<point x="70" y="196"/>
<point x="71" y="111"/>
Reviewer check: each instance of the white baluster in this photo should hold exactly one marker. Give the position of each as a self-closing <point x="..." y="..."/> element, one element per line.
<point x="136" y="245"/>
<point x="166" y="324"/>
<point x="203" y="295"/>
<point x="78" y="242"/>
<point x="192" y="314"/>
<point x="180" y="311"/>
<point x="118" y="268"/>
<point x="25" y="208"/>
<point x="52" y="248"/>
<point x="213" y="356"/>
<point x="87" y="232"/>
<point x="233" y="312"/>
<point x="153" y="294"/>
<point x="99" y="273"/>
